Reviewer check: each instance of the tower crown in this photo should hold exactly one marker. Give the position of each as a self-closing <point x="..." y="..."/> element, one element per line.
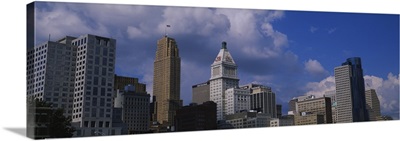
<point x="224" y="55"/>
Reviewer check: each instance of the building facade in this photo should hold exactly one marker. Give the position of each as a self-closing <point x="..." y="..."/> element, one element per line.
<point x="317" y="106"/>
<point x="51" y="68"/>
<point x="332" y="95"/>
<point x="121" y="81"/>
<point x="294" y="100"/>
<point x="350" y="92"/>
<point x="166" y="80"/>
<point x="223" y="77"/>
<point x="373" y="105"/>
<point x="94" y="83"/>
<point x="308" y="119"/>
<point x="135" y="109"/>
<point x="201" y="92"/>
<point x="248" y="119"/>
<point x="236" y="100"/>
<point x="196" y="117"/>
<point x="77" y="74"/>
<point x="278" y="110"/>
<point x="287" y="120"/>
<point x="262" y="99"/>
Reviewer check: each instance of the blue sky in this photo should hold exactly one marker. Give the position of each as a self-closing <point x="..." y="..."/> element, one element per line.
<point x="293" y="52"/>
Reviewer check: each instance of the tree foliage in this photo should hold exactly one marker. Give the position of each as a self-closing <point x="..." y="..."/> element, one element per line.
<point x="56" y="124"/>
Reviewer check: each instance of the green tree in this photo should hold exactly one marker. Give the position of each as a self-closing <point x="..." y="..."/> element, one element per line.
<point x="56" y="125"/>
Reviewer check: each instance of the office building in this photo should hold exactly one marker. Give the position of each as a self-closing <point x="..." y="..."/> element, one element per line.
<point x="135" y="109"/>
<point x="373" y="105"/>
<point x="248" y="119"/>
<point x="307" y="118"/>
<point x="201" y="92"/>
<point x="51" y="68"/>
<point x="262" y="99"/>
<point x="294" y="100"/>
<point x="236" y="100"/>
<point x="317" y="106"/>
<point x="223" y="77"/>
<point x="196" y="117"/>
<point x="167" y="80"/>
<point x="350" y="92"/>
<point x="287" y="120"/>
<point x="77" y="74"/>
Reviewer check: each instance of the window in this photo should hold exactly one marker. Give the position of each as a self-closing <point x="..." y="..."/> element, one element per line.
<point x="86" y="124"/>
<point x="102" y="102"/>
<point x="107" y="124"/>
<point x="104" y="71"/>
<point x="92" y="124"/>
<point x="95" y="80"/>
<point x="94" y="112"/>
<point x="103" y="81"/>
<point x="95" y="91"/>
<point x="101" y="113"/>
<point x="96" y="70"/>
<point x="105" y="51"/>
<point x="94" y="102"/>
<point x="97" y="60"/>
<point x="104" y="61"/>
<point x="101" y="122"/>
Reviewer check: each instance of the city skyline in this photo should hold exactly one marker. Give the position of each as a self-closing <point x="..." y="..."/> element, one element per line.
<point x="280" y="55"/>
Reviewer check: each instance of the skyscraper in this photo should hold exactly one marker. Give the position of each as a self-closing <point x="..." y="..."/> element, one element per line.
<point x="350" y="92"/>
<point x="373" y="105"/>
<point x="166" y="83"/>
<point x="223" y="77"/>
<point x="77" y="74"/>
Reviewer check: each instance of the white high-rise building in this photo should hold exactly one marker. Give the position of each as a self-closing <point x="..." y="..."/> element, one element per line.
<point x="76" y="74"/>
<point x="94" y="83"/>
<point x="51" y="73"/>
<point x="236" y="100"/>
<point x="223" y="77"/>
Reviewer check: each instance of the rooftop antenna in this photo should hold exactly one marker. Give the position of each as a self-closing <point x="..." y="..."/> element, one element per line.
<point x="165" y="29"/>
<point x="49" y="37"/>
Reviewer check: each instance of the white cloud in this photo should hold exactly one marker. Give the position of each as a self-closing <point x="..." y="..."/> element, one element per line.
<point x="134" y="32"/>
<point x="313" y="29"/>
<point x="61" y="20"/>
<point x="319" y="88"/>
<point x="387" y="91"/>
<point x="315" y="68"/>
<point x="330" y="31"/>
<point x="198" y="21"/>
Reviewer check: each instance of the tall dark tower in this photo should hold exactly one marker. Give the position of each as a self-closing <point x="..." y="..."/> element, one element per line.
<point x="166" y="84"/>
<point x="350" y="90"/>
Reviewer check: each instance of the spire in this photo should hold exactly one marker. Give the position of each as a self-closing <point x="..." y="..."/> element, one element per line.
<point x="223" y="45"/>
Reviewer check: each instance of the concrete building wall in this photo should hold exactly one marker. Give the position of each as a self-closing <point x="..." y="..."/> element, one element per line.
<point x="201" y="93"/>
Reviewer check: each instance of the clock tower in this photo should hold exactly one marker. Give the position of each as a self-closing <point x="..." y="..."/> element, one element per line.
<point x="223" y="77"/>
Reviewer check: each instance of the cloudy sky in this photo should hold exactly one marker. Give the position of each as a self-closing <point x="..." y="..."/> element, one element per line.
<point x="293" y="52"/>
